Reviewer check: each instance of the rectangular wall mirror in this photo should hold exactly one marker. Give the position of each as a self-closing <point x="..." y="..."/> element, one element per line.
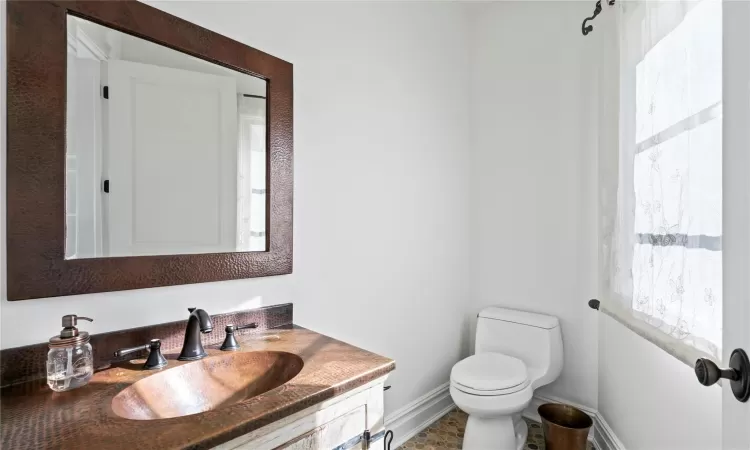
<point x="143" y="151"/>
<point x="165" y="152"/>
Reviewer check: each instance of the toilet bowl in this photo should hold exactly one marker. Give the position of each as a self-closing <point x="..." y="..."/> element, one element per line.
<point x="515" y="353"/>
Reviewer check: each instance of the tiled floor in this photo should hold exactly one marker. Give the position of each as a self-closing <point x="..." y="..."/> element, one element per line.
<point x="448" y="433"/>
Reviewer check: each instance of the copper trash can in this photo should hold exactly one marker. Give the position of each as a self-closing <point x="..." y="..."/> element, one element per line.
<point x="565" y="427"/>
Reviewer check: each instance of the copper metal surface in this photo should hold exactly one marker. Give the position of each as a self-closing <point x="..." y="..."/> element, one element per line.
<point x="35" y="417"/>
<point x="565" y="427"/>
<point x="208" y="384"/>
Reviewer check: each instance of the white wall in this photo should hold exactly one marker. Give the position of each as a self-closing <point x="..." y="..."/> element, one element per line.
<point x="534" y="174"/>
<point x="643" y="392"/>
<point x="381" y="181"/>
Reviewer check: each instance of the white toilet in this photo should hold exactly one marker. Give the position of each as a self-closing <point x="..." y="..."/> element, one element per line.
<point x="515" y="353"/>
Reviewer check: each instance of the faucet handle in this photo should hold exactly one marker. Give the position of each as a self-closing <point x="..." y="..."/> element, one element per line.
<point x="155" y="359"/>
<point x="129" y="350"/>
<point x="230" y="343"/>
<point x="190" y="310"/>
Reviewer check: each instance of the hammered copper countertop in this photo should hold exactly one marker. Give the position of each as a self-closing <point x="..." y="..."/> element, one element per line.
<point x="34" y="417"/>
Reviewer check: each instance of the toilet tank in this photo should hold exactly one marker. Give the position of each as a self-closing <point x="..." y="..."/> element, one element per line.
<point x="533" y="338"/>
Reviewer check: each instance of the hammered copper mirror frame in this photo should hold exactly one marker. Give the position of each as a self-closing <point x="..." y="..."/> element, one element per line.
<point x="36" y="83"/>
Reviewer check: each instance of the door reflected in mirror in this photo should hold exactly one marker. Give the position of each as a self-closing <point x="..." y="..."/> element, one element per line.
<point x="165" y="152"/>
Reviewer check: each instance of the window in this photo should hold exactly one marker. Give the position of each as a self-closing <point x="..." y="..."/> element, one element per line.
<point x="669" y="205"/>
<point x="251" y="173"/>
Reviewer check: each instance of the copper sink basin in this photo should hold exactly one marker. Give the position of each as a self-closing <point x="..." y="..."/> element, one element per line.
<point x="207" y="384"/>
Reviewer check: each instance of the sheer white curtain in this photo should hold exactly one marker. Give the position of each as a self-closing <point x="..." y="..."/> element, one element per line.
<point x="662" y="224"/>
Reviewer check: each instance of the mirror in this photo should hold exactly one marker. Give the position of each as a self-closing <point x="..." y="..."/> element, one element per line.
<point x="165" y="152"/>
<point x="179" y="172"/>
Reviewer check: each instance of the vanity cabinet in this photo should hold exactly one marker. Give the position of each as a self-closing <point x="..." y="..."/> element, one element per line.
<point x="328" y="425"/>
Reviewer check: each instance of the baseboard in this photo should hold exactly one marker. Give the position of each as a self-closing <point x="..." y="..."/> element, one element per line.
<point x="604" y="437"/>
<point x="601" y="434"/>
<point x="419" y="414"/>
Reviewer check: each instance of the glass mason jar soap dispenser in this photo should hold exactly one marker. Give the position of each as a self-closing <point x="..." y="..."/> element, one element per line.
<point x="70" y="361"/>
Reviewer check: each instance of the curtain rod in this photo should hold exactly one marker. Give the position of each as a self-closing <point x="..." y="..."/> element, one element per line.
<point x="686" y="354"/>
<point x="586" y="29"/>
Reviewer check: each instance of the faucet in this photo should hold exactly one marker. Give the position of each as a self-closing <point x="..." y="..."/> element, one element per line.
<point x="192" y="348"/>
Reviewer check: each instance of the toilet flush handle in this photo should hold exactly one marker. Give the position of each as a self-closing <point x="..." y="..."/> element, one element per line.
<point x="738" y="373"/>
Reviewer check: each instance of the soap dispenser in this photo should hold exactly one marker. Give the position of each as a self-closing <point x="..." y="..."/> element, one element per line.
<point x="70" y="361"/>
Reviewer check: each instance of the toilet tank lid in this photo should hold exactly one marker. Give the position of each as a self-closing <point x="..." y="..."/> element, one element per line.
<point x="521" y="317"/>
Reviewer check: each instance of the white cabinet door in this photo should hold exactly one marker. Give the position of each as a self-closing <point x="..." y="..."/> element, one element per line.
<point x="171" y="160"/>
<point x="332" y="434"/>
<point x="324" y="426"/>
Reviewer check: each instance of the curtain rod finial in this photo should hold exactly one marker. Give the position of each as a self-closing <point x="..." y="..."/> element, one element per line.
<point x="586" y="29"/>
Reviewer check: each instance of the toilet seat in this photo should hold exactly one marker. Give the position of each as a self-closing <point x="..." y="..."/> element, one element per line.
<point x="490" y="374"/>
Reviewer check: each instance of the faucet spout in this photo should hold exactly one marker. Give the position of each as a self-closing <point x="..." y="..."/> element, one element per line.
<point x="198" y="322"/>
<point x="204" y="320"/>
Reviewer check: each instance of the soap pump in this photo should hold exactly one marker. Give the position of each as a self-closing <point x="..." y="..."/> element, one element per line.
<point x="70" y="360"/>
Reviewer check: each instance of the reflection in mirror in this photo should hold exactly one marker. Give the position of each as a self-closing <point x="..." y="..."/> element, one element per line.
<point x="165" y="152"/>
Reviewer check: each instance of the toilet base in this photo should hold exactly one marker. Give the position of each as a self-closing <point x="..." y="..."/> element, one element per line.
<point x="495" y="433"/>
<point x="522" y="432"/>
